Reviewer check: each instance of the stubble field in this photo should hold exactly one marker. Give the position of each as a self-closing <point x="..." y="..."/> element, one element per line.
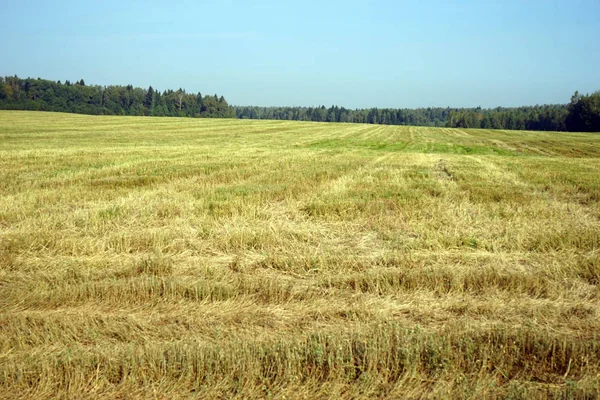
<point x="182" y="258"/>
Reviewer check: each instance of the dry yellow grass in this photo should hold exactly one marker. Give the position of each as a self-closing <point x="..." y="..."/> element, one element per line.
<point x="181" y="258"/>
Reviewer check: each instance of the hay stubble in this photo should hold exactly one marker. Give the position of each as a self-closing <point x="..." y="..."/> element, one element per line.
<point x="178" y="258"/>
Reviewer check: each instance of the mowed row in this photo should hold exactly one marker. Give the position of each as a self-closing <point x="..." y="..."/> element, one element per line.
<point x="181" y="258"/>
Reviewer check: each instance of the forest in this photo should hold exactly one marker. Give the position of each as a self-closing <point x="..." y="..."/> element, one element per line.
<point x="582" y="114"/>
<point x="537" y="118"/>
<point x="45" y="95"/>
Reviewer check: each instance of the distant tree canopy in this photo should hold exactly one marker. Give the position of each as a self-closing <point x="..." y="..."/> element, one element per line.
<point x="582" y="114"/>
<point x="537" y="118"/>
<point x="44" y="95"/>
<point x="386" y="116"/>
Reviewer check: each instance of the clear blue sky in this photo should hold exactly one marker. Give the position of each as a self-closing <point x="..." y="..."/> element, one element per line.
<point x="378" y="53"/>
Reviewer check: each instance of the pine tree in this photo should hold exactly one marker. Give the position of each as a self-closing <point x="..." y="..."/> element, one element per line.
<point x="149" y="99"/>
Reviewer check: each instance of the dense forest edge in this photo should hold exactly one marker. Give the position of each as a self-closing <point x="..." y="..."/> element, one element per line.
<point x="45" y="95"/>
<point x="582" y="114"/>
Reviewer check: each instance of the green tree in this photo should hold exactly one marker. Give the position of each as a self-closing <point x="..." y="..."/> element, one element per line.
<point x="149" y="100"/>
<point x="584" y="113"/>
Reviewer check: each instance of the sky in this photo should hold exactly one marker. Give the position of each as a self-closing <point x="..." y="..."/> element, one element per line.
<point x="357" y="54"/>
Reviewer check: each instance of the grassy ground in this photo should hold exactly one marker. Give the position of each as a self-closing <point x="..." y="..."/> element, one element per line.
<point x="181" y="258"/>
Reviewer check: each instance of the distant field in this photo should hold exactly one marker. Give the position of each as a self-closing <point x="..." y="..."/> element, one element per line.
<point x="181" y="258"/>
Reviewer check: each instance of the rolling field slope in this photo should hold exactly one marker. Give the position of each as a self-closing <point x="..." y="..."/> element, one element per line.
<point x="182" y="258"/>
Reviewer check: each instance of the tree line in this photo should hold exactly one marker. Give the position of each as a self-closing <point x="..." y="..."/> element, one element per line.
<point x="536" y="118"/>
<point x="547" y="117"/>
<point x="386" y="116"/>
<point x="582" y="114"/>
<point x="45" y="95"/>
